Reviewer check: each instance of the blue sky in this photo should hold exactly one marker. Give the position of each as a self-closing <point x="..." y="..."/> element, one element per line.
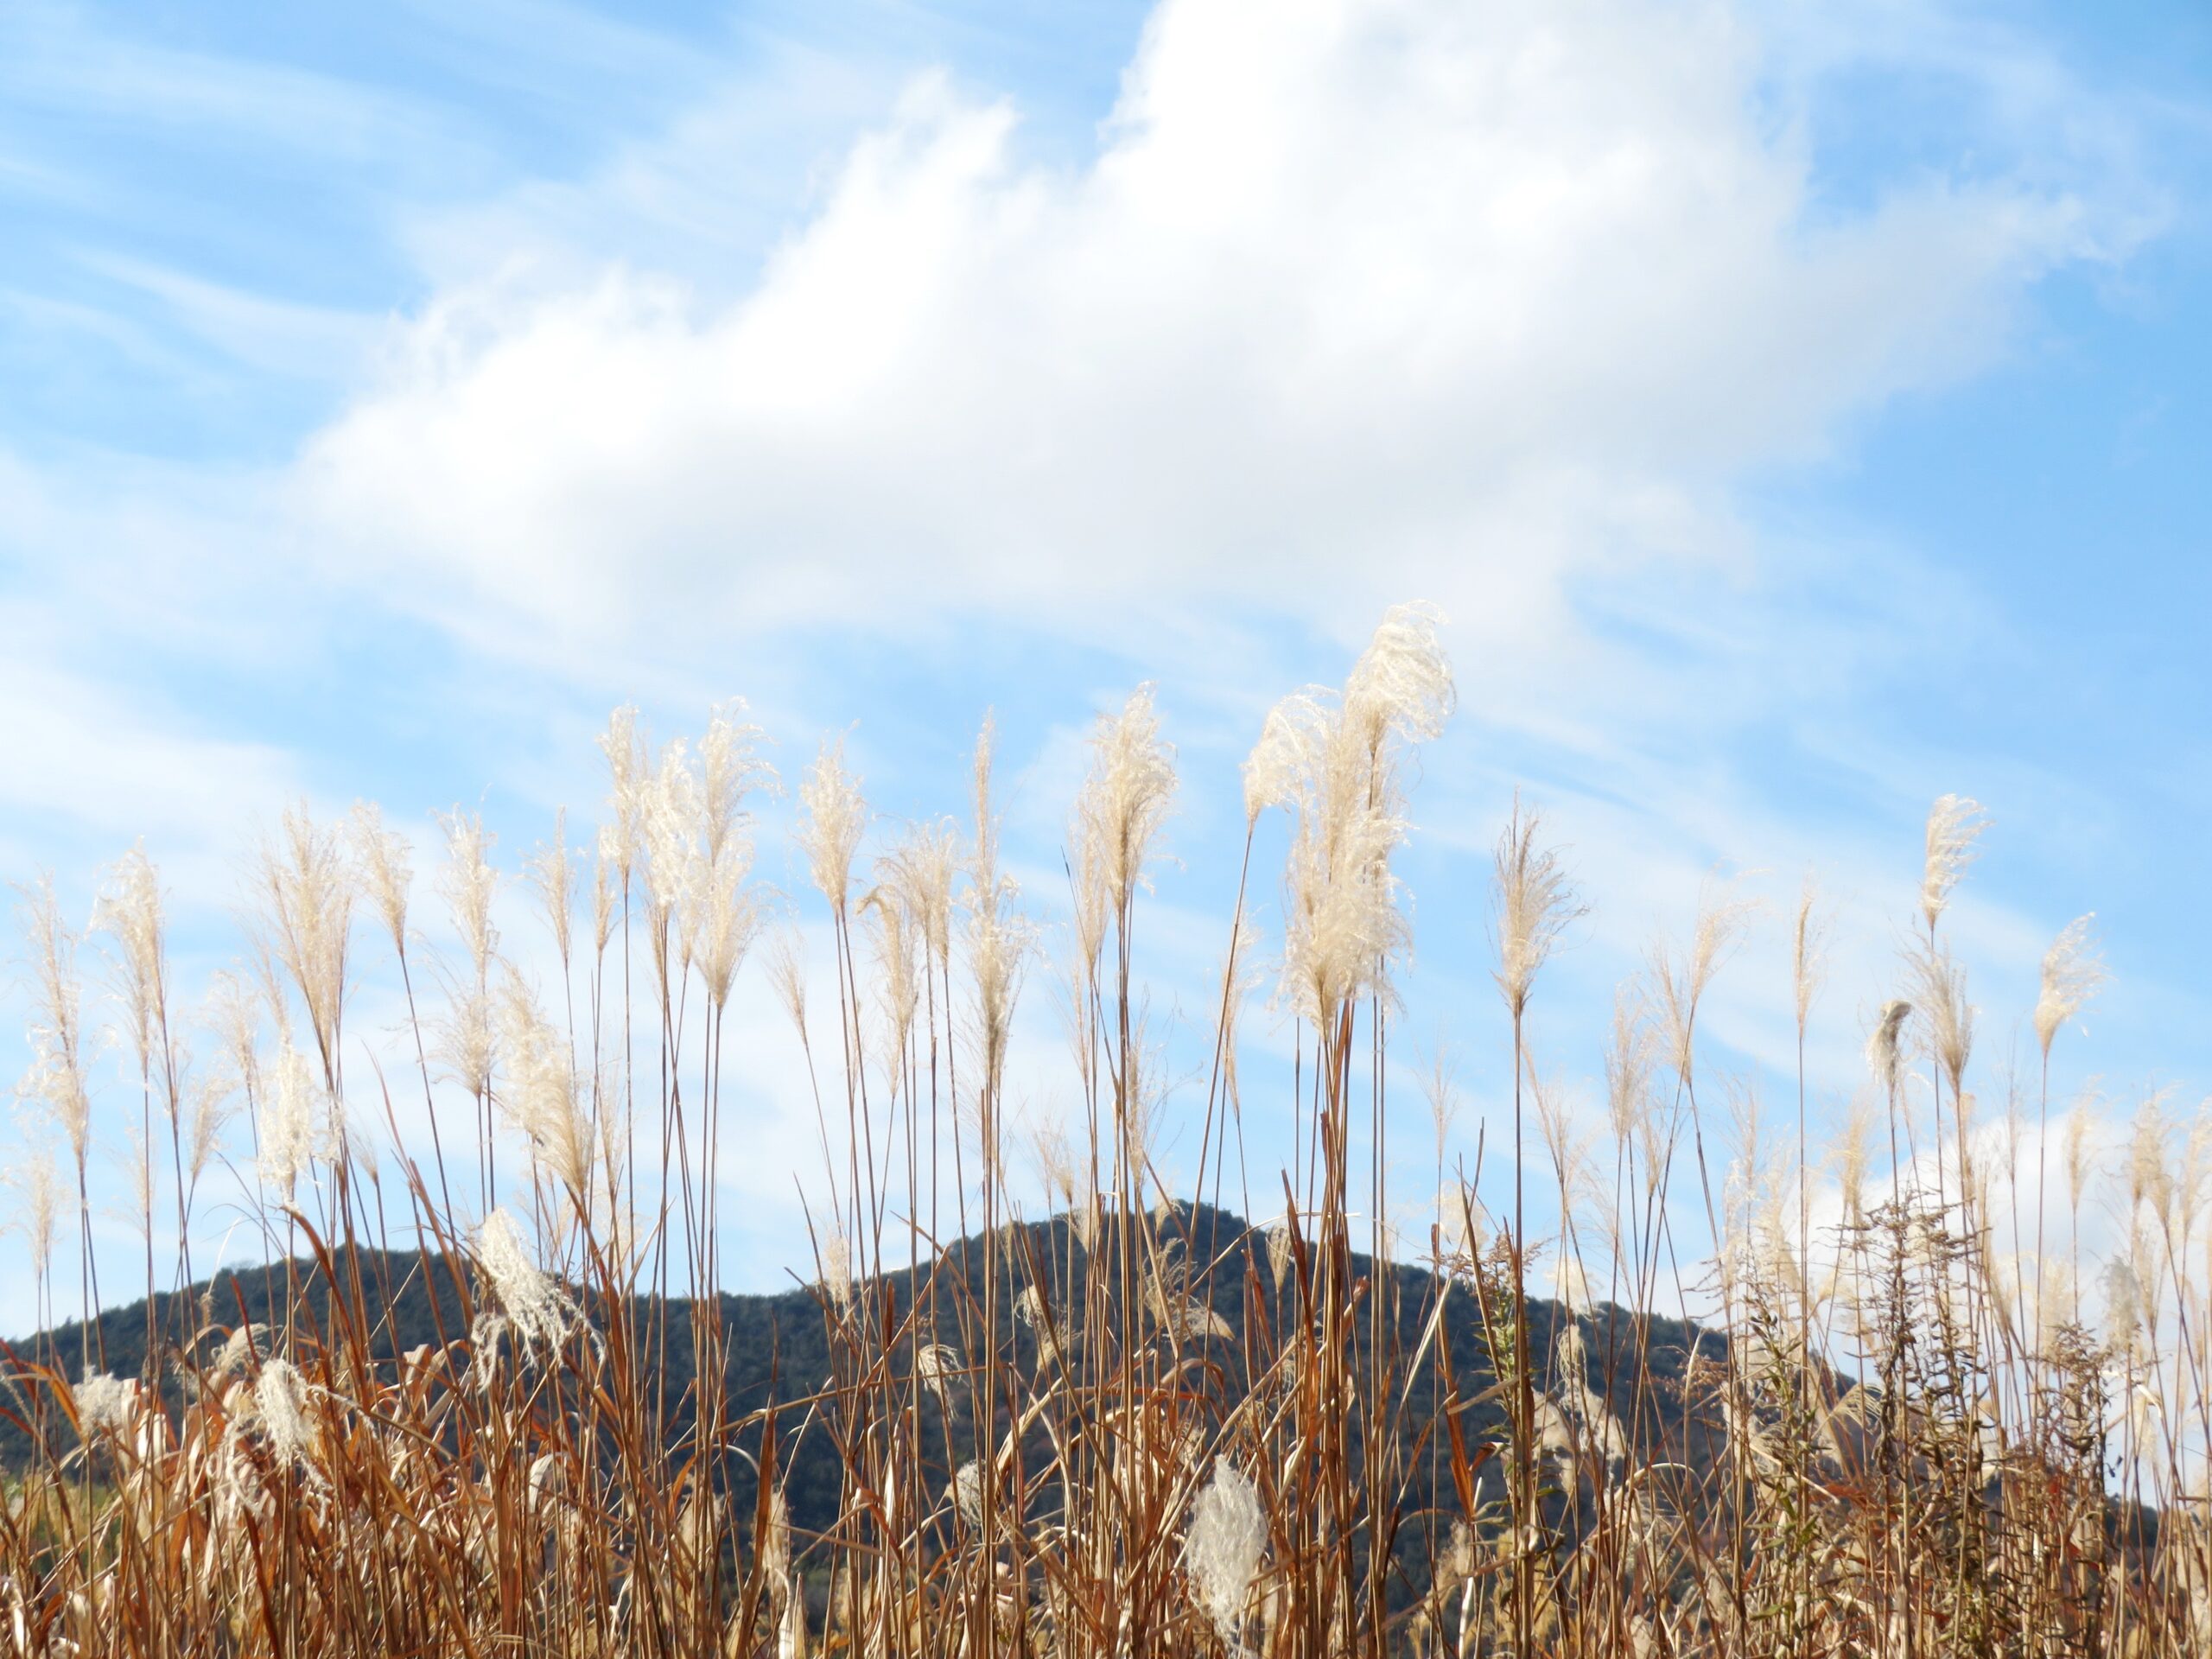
<point x="1799" y="409"/>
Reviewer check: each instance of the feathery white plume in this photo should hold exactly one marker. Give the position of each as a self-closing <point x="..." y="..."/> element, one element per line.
<point x="382" y="867"/>
<point x="1030" y="1309"/>
<point x="1942" y="986"/>
<point x="787" y="973"/>
<point x="1402" y="685"/>
<point x="105" y="1404"/>
<point x="247" y="1343"/>
<point x="837" y="1269"/>
<point x="901" y="967"/>
<point x="1628" y="1063"/>
<point x="967" y="1492"/>
<point x="307" y="893"/>
<point x="37" y="1187"/>
<point x="697" y="831"/>
<point x="1681" y="987"/>
<point x="1335" y="761"/>
<point x="460" y="1037"/>
<point x="1954" y="823"/>
<point x="535" y="1308"/>
<point x="56" y="1077"/>
<point x="1809" y="942"/>
<point x="280" y="1408"/>
<point x="552" y="873"/>
<point x="833" y="817"/>
<point x="2071" y="975"/>
<point x="129" y="912"/>
<point x="538" y="1094"/>
<point x="1131" y="786"/>
<point x="1281" y="763"/>
<point x="469" y="882"/>
<point x="1228" y="1536"/>
<point x="295" y="1120"/>
<point x="622" y="839"/>
<point x="1534" y="906"/>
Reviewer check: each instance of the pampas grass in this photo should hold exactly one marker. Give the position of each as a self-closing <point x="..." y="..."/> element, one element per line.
<point x="1138" y="1429"/>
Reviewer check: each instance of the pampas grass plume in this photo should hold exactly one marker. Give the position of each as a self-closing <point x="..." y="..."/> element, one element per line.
<point x="832" y="819"/>
<point x="56" y="1077"/>
<point x="534" y="1307"/>
<point x="1808" y="944"/>
<point x="294" y="1120"/>
<point x="552" y="872"/>
<point x="382" y="864"/>
<point x="1228" y="1536"/>
<point x="129" y="912"/>
<point x="1127" y="796"/>
<point x="469" y="883"/>
<point x="1885" y="1046"/>
<point x="307" y="891"/>
<point x="1955" y="824"/>
<point x="1534" y="905"/>
<point x="538" y="1093"/>
<point x="2072" y="973"/>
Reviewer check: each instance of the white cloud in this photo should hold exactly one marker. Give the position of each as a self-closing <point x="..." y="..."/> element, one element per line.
<point x="1352" y="300"/>
<point x="88" y="759"/>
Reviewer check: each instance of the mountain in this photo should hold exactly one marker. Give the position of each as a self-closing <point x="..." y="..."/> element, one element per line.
<point x="778" y="1347"/>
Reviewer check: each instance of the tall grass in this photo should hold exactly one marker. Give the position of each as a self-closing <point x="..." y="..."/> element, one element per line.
<point x="1135" y="1431"/>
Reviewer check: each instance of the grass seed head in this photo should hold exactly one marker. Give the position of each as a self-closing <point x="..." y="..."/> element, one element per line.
<point x="37" y="1187"/>
<point x="1955" y="824"/>
<point x="833" y="817"/>
<point x="129" y="912"/>
<point x="1124" y="801"/>
<point x="469" y="883"/>
<point x="280" y="1400"/>
<point x="1885" y="1046"/>
<point x="382" y="867"/>
<point x="56" y="1077"/>
<point x="534" y="1307"/>
<point x="538" y="1093"/>
<point x="552" y="872"/>
<point x="1534" y="905"/>
<point x="1227" y="1538"/>
<point x="295" y="1120"/>
<point x="106" y="1405"/>
<point x="2072" y="972"/>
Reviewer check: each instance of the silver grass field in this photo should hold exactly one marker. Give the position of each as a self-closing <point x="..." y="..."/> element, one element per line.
<point x="1116" y="1424"/>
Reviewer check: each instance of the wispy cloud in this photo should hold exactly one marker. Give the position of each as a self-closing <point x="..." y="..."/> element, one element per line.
<point x="274" y="336"/>
<point x="91" y="766"/>
<point x="62" y="57"/>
